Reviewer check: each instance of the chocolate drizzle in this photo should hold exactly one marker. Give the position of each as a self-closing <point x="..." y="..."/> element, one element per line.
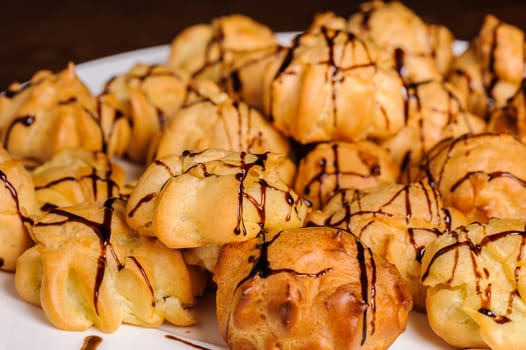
<point x="232" y="81"/>
<point x="335" y="70"/>
<point x="243" y="196"/>
<point x="483" y="284"/>
<point x="10" y="93"/>
<point x="332" y="169"/>
<point x="352" y="207"/>
<point x="216" y="42"/>
<point x="493" y="78"/>
<point x="14" y="195"/>
<point x="366" y="17"/>
<point x="261" y="265"/>
<point x="447" y="147"/>
<point x="144" y="277"/>
<point x="25" y="121"/>
<point x="260" y="206"/>
<point x="491" y="176"/>
<point x="185" y="342"/>
<point x="143" y="200"/>
<point x="91" y="342"/>
<point x="103" y="232"/>
<point x="194" y="96"/>
<point x="95" y="178"/>
<point x="364" y="283"/>
<point x="151" y="71"/>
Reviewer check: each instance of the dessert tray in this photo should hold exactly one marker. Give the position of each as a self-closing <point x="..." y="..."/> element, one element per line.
<point x="24" y="326"/>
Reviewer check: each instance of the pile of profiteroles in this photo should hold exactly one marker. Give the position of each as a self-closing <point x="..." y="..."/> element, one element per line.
<point x="322" y="188"/>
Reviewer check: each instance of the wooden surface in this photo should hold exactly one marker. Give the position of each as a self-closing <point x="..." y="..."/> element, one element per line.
<point x="47" y="34"/>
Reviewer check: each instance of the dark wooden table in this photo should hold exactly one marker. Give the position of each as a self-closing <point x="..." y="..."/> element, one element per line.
<point x="47" y="34"/>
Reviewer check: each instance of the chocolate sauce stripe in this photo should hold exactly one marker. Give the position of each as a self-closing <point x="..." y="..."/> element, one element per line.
<point x="103" y="232"/>
<point x="475" y="248"/>
<point x="145" y="199"/>
<point x="364" y="284"/>
<point x="26" y="120"/>
<point x="489" y="86"/>
<point x="9" y="93"/>
<point x="14" y="195"/>
<point x="491" y="176"/>
<point x="95" y="177"/>
<point x="263" y="269"/>
<point x="145" y="277"/>
<point x="448" y="146"/>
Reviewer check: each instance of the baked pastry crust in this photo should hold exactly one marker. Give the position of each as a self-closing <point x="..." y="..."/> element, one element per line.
<point x="210" y="119"/>
<point x="17" y="209"/>
<point x="394" y="27"/>
<point x="136" y="106"/>
<point x="511" y="118"/>
<point x="313" y="287"/>
<point x="232" y="51"/>
<point x="329" y="86"/>
<point x="480" y="175"/>
<point x="396" y="221"/>
<point x="213" y="197"/>
<point x="76" y="176"/>
<point x="475" y="285"/>
<point x="334" y="166"/>
<point x="492" y="68"/>
<point x="89" y="268"/>
<point x="433" y="112"/>
<point x="51" y="112"/>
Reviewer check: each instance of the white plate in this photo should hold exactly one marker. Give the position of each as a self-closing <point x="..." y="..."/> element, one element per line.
<point x="24" y="326"/>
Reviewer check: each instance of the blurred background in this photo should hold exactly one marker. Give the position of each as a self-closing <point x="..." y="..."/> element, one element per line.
<point x="47" y="34"/>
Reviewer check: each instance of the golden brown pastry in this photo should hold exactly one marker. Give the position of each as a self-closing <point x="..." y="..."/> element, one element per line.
<point x="213" y="197"/>
<point x="232" y="51"/>
<point x="136" y="106"/>
<point x="334" y="166"/>
<point x="492" y="69"/>
<point x="328" y="20"/>
<point x="49" y="113"/>
<point x="396" y="221"/>
<point x="77" y="176"/>
<point x="396" y="29"/>
<point x="482" y="175"/>
<point x="329" y="85"/>
<point x="18" y="205"/>
<point x="210" y="119"/>
<point x="89" y="268"/>
<point x="433" y="112"/>
<point x="511" y="118"/>
<point x="309" y="288"/>
<point x="475" y="283"/>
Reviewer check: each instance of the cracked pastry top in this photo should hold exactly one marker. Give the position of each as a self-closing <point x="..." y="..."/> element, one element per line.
<point x="89" y="268"/>
<point x="49" y="113"/>
<point x="314" y="287"/>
